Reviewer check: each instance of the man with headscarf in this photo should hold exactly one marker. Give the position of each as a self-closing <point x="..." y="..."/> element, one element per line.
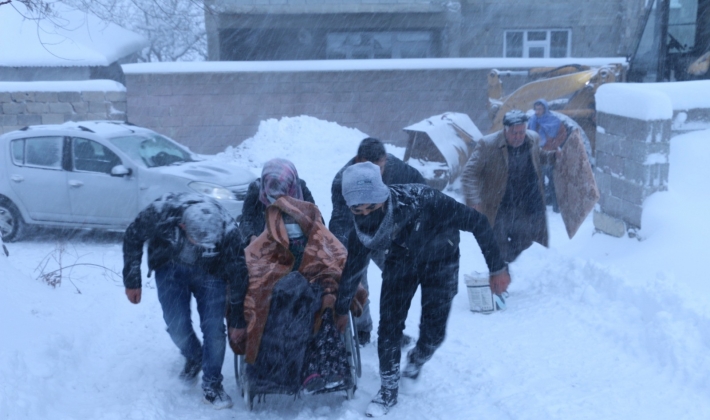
<point x="278" y="177"/>
<point x="503" y="180"/>
<point x="394" y="171"/>
<point x="195" y="249"/>
<point x="417" y="229"/>
<point x="552" y="135"/>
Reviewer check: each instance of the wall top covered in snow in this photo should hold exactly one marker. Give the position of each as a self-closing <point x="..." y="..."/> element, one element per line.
<point x="364" y="65"/>
<point x="652" y="101"/>
<point x="71" y="38"/>
<point x="65" y="86"/>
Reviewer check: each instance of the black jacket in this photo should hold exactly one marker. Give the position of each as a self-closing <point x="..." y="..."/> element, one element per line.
<point x="341" y="220"/>
<point x="427" y="224"/>
<point x="252" y="221"/>
<point x="158" y="224"/>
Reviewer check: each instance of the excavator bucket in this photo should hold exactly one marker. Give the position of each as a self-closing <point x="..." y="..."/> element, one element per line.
<point x="439" y="146"/>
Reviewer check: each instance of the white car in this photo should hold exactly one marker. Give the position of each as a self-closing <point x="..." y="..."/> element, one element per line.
<point x="101" y="174"/>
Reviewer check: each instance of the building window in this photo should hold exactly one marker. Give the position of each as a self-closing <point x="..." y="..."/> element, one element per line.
<point x="364" y="45"/>
<point x="545" y="43"/>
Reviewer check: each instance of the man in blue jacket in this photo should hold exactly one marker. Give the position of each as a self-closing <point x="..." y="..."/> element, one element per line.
<point x="195" y="249"/>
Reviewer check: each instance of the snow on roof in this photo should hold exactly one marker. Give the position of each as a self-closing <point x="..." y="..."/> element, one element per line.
<point x="365" y="65"/>
<point x="652" y="101"/>
<point x="63" y="86"/>
<point x="71" y="38"/>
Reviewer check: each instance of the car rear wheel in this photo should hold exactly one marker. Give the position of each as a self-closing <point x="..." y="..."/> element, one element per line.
<point x="11" y="223"/>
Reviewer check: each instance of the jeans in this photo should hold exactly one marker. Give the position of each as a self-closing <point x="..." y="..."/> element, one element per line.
<point x="439" y="283"/>
<point x="176" y="284"/>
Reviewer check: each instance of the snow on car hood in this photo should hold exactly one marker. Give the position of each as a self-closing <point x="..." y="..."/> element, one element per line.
<point x="209" y="171"/>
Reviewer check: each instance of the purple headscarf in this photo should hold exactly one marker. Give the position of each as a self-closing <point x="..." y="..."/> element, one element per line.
<point x="547" y="125"/>
<point x="279" y="177"/>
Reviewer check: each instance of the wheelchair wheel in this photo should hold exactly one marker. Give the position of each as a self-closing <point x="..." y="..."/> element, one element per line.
<point x="353" y="350"/>
<point x="240" y="373"/>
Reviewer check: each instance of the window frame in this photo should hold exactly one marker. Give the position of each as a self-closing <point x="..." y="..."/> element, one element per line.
<point x="25" y="164"/>
<point x="546" y="44"/>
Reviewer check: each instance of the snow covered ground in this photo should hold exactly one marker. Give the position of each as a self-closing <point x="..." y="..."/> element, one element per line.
<point x="596" y="327"/>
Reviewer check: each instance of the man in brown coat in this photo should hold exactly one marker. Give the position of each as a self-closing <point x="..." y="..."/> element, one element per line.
<point x="503" y="180"/>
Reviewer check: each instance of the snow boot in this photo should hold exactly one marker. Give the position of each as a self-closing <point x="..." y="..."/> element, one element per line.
<point x="363" y="338"/>
<point x="413" y="368"/>
<point x="190" y="371"/>
<point x="381" y="404"/>
<point x="216" y="396"/>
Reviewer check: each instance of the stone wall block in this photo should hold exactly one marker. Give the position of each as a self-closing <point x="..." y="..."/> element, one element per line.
<point x="29" y="119"/>
<point x="609" y="225"/>
<point x="36" y="107"/>
<point x="23" y="96"/>
<point x="12" y="108"/>
<point x="93" y="96"/>
<point x="608" y="143"/>
<point x="8" y="120"/>
<point x="60" y="107"/>
<point x="118" y="106"/>
<point x="80" y="107"/>
<point x="96" y="116"/>
<point x="629" y="128"/>
<point x="635" y="172"/>
<point x="69" y="97"/>
<point x="98" y="107"/>
<point x="627" y="191"/>
<point x="53" y="119"/>
<point x="609" y="163"/>
<point x="5" y="97"/>
<point x="116" y="96"/>
<point x="603" y="180"/>
<point x="46" y="96"/>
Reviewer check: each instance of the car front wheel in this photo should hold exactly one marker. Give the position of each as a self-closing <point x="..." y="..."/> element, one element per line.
<point x="11" y="223"/>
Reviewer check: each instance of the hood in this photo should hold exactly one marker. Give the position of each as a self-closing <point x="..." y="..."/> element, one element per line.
<point x="218" y="173"/>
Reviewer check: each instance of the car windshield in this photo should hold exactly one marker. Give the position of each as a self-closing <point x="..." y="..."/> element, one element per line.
<point x="152" y="149"/>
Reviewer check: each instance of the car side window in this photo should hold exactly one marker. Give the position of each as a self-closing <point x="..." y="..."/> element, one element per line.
<point x="44" y="152"/>
<point x="90" y="156"/>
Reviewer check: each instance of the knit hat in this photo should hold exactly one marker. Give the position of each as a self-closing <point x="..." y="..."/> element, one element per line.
<point x="203" y="224"/>
<point x="362" y="184"/>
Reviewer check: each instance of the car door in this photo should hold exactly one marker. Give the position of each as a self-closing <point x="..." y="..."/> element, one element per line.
<point x="38" y="178"/>
<point x="96" y="196"/>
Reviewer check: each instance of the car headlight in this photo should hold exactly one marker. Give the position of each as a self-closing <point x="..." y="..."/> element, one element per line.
<point x="212" y="190"/>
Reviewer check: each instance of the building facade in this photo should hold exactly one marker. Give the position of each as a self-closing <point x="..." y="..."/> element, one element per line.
<point x="361" y="29"/>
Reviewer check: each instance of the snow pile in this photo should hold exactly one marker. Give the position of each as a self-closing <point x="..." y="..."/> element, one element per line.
<point x="318" y="149"/>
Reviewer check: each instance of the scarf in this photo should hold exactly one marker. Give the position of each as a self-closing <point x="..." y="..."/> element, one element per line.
<point x="381" y="238"/>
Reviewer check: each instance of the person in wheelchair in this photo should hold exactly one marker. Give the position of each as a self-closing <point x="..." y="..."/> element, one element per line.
<point x="286" y="326"/>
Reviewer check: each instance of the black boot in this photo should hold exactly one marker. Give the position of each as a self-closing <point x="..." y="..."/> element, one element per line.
<point x="380" y="405"/>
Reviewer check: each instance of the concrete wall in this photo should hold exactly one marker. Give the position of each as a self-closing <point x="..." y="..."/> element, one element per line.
<point x="210" y="111"/>
<point x="20" y="109"/>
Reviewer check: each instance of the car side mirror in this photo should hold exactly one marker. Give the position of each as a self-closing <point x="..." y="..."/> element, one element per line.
<point x="120" y="170"/>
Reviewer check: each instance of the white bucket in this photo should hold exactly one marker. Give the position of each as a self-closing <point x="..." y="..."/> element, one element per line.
<point x="480" y="296"/>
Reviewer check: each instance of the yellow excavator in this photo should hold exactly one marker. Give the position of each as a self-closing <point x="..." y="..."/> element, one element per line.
<point x="568" y="89"/>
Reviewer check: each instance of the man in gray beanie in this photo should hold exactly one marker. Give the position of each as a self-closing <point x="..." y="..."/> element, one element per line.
<point x="421" y="249"/>
<point x="393" y="171"/>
